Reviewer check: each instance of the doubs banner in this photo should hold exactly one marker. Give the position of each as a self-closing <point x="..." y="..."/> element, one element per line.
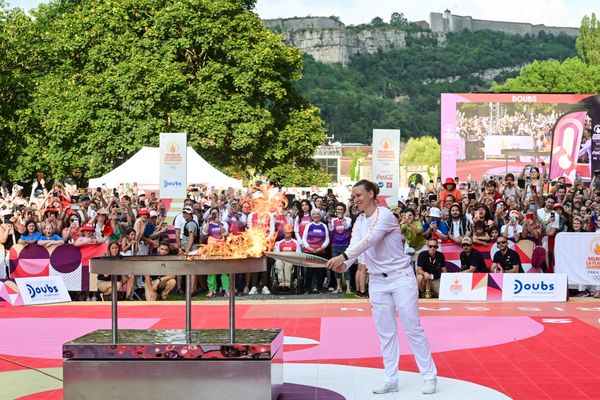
<point x="43" y="290"/>
<point x="173" y="165"/>
<point x="386" y="165"/>
<point x="577" y="254"/>
<point x="504" y="287"/>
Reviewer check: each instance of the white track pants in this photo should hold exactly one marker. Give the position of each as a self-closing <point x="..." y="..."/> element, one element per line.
<point x="399" y="292"/>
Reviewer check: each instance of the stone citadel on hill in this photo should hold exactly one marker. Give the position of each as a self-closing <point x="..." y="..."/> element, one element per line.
<point x="329" y="41"/>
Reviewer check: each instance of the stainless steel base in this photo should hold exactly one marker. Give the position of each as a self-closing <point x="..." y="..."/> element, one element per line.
<point x="173" y="379"/>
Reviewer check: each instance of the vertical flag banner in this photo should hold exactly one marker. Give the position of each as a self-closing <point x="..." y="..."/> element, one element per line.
<point x="566" y="141"/>
<point x="595" y="142"/>
<point x="386" y="165"/>
<point x="173" y="165"/>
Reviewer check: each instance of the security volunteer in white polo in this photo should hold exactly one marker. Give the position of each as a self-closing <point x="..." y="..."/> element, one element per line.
<point x="393" y="286"/>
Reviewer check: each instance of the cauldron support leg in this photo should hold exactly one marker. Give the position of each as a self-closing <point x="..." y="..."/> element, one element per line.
<point x="113" y="299"/>
<point x="188" y="305"/>
<point x="232" y="308"/>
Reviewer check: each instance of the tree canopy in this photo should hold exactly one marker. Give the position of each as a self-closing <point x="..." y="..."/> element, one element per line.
<point x="422" y="151"/>
<point x="115" y="73"/>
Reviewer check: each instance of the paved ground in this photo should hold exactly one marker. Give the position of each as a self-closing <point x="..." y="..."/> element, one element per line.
<point x="482" y="350"/>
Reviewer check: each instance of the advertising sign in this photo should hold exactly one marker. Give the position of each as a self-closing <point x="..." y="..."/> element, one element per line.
<point x="173" y="165"/>
<point x="577" y="255"/>
<point x="534" y="287"/>
<point x="43" y="290"/>
<point x="459" y="286"/>
<point x="386" y="165"/>
<point x="506" y="287"/>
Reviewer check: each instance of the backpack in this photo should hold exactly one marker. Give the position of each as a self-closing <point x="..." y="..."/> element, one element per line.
<point x="196" y="233"/>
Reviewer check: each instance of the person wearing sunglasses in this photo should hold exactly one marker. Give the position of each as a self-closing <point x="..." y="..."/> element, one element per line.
<point x="430" y="265"/>
<point x="471" y="259"/>
<point x="505" y="259"/>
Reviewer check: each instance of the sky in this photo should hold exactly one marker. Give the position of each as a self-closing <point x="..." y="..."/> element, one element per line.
<point x="354" y="12"/>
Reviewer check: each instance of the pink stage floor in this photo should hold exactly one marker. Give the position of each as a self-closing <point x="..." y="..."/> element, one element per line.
<point x="482" y="350"/>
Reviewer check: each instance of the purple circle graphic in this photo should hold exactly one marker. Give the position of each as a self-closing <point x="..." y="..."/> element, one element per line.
<point x="65" y="258"/>
<point x="34" y="259"/>
<point x="292" y="391"/>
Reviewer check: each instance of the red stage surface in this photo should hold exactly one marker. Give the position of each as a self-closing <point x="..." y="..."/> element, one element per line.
<point x="482" y="350"/>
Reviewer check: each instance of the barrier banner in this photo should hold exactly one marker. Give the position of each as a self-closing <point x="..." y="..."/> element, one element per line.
<point x="534" y="287"/>
<point x="9" y="292"/>
<point x="462" y="286"/>
<point x="67" y="261"/>
<point x="43" y="290"/>
<point x="577" y="255"/>
<point x="173" y="165"/>
<point x="386" y="165"/>
<point x="503" y="286"/>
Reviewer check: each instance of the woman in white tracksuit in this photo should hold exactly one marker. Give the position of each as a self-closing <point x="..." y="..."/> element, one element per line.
<point x="393" y="286"/>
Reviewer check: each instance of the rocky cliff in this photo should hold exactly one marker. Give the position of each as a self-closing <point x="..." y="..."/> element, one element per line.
<point x="329" y="41"/>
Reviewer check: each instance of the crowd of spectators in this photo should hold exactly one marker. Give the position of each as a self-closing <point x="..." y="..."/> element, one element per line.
<point x="537" y="124"/>
<point x="500" y="210"/>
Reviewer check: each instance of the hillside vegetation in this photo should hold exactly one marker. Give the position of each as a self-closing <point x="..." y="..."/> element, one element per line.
<point x="401" y="88"/>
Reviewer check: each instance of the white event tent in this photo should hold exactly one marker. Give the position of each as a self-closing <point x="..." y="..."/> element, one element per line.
<point x="143" y="168"/>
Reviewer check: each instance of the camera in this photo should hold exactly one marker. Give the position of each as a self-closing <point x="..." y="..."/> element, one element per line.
<point x="597" y="172"/>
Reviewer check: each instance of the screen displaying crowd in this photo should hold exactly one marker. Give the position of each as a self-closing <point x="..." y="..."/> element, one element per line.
<point x="501" y="211"/>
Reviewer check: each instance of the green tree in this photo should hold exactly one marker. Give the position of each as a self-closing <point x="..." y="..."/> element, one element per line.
<point x="588" y="41"/>
<point x="422" y="151"/>
<point x="17" y="66"/>
<point x="355" y="155"/>
<point x="118" y="72"/>
<point x="571" y="76"/>
<point x="398" y="19"/>
<point x="377" y="21"/>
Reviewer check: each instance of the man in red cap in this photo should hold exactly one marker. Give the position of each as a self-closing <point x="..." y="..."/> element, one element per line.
<point x="450" y="189"/>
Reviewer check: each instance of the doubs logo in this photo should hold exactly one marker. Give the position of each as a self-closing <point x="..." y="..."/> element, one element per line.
<point x="535" y="287"/>
<point x="34" y="291"/>
<point x="171" y="183"/>
<point x="597" y="128"/>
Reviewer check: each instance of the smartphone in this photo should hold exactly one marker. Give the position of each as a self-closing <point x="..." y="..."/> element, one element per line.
<point x="553" y="214"/>
<point x="529" y="216"/>
<point x="75" y="207"/>
<point x="471" y="196"/>
<point x="163" y="212"/>
<point x="432" y="197"/>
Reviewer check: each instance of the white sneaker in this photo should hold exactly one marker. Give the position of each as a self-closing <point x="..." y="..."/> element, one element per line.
<point x="386" y="387"/>
<point x="429" y="386"/>
<point x="265" y="290"/>
<point x="253" y="290"/>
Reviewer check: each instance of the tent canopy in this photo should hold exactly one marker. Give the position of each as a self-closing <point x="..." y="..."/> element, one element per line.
<point x="143" y="168"/>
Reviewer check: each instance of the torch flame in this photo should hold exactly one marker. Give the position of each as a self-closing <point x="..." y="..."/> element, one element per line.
<point x="253" y="242"/>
